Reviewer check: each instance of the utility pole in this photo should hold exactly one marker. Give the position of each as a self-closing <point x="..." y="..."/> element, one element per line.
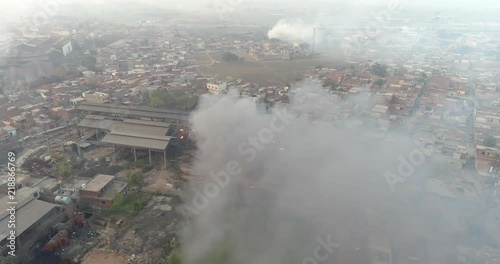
<point x="22" y="139"/>
<point x="46" y="137"/>
<point x="69" y="133"/>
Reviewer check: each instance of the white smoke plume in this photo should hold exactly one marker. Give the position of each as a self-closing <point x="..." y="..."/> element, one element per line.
<point x="289" y="30"/>
<point x="269" y="183"/>
<point x="329" y="28"/>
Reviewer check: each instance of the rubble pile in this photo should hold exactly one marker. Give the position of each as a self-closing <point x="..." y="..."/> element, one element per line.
<point x="38" y="167"/>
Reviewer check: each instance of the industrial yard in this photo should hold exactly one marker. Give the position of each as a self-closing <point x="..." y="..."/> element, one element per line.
<point x="110" y="194"/>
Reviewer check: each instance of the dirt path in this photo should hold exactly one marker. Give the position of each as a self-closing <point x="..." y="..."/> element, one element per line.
<point x="26" y="154"/>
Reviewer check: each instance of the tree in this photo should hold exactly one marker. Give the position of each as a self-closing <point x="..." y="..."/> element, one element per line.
<point x="379" y="83"/>
<point x="156" y="99"/>
<point x="330" y="83"/>
<point x="175" y="260"/>
<point x="304" y="46"/>
<point x="92" y="86"/>
<point x="379" y="69"/>
<point x="117" y="202"/>
<point x="173" y="100"/>
<point x="65" y="168"/>
<point x="136" y="180"/>
<point x="228" y="56"/>
<point x="490" y="141"/>
<point x="400" y="72"/>
<point x="89" y="62"/>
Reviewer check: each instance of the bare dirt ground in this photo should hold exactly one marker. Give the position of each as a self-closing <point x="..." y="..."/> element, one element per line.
<point x="104" y="257"/>
<point x="267" y="72"/>
<point x="203" y="59"/>
<point x="99" y="153"/>
<point x="147" y="235"/>
<point x="159" y="178"/>
<point x="168" y="180"/>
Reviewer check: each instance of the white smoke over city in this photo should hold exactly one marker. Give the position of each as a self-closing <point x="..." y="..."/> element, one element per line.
<point x="292" y="30"/>
<point x="269" y="183"/>
<point x="326" y="29"/>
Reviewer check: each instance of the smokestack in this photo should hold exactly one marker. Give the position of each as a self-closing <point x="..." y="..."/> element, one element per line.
<point x="313" y="40"/>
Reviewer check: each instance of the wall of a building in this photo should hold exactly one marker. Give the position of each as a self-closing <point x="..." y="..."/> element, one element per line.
<point x="67" y="49"/>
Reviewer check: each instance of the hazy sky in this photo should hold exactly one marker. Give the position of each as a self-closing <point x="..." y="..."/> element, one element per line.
<point x="24" y="10"/>
<point x="29" y="7"/>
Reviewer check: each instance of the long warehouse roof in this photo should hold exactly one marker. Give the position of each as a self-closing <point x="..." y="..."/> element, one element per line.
<point x="139" y="111"/>
<point x="131" y="132"/>
<point x="92" y="121"/>
<point x="106" y="123"/>
<point x="136" y="142"/>
<point x="26" y="216"/>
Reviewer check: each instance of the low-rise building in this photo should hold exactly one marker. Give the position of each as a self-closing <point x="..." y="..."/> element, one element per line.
<point x="216" y="88"/>
<point x="101" y="191"/>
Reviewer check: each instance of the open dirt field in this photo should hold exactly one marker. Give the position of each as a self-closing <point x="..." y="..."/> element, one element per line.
<point x="203" y="59"/>
<point x="104" y="257"/>
<point x="266" y="72"/>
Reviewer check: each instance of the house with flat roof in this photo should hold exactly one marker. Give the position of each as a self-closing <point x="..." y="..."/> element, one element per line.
<point x="101" y="190"/>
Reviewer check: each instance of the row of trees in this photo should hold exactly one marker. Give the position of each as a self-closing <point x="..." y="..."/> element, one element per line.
<point x="173" y="100"/>
<point x="135" y="179"/>
<point x="89" y="62"/>
<point x="379" y="69"/>
<point x="490" y="141"/>
<point x="228" y="56"/>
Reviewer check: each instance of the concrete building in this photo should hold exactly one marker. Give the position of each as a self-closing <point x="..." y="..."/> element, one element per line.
<point x="216" y="88"/>
<point x="101" y="191"/>
<point x="487" y="159"/>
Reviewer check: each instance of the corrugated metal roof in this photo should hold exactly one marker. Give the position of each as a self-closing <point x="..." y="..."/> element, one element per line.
<point x="131" y="132"/>
<point x="130" y="141"/>
<point x="138" y="130"/>
<point x="146" y="122"/>
<point x="138" y="111"/>
<point x="99" y="122"/>
<point x="26" y="216"/>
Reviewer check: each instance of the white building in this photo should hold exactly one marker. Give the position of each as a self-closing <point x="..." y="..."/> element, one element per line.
<point x="67" y="48"/>
<point x="11" y="131"/>
<point x="216" y="88"/>
<point x="96" y="97"/>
